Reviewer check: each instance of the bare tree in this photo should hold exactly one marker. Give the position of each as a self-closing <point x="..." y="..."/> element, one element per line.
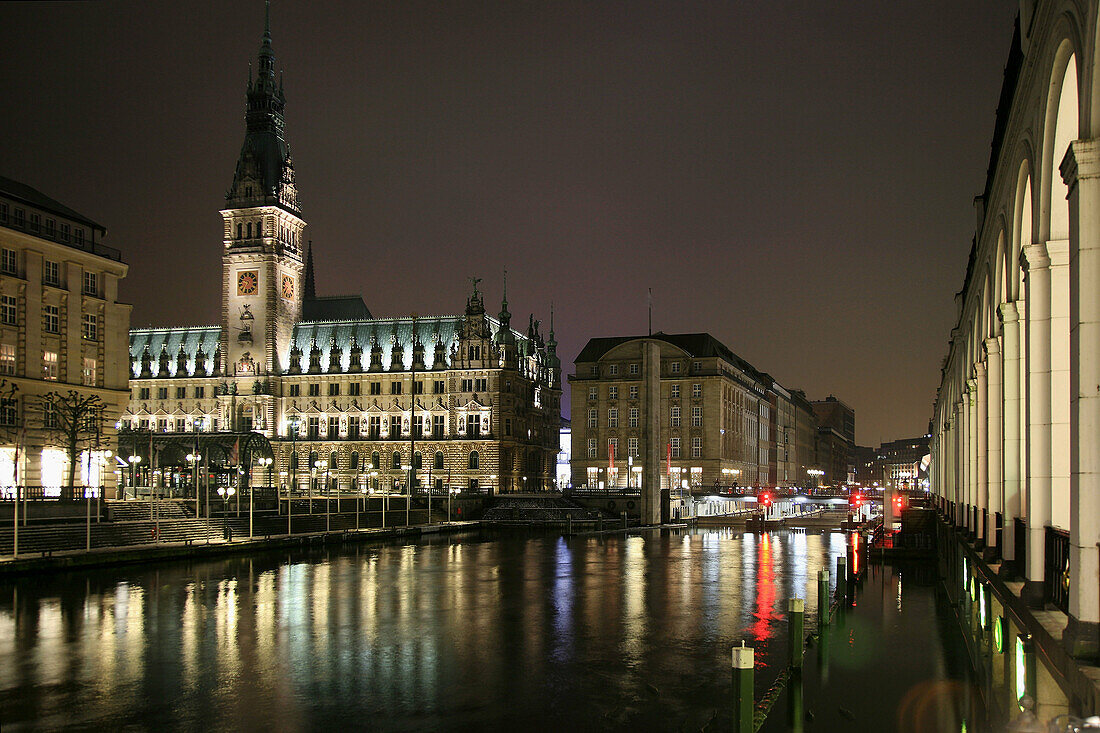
<point x="76" y="422"/>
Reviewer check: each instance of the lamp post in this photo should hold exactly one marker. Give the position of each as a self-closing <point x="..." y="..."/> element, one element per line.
<point x="493" y="483"/>
<point x="193" y="460"/>
<point x="817" y="473"/>
<point x="225" y="492"/>
<point x="292" y="428"/>
<point x="385" y="497"/>
<point x="408" y="493"/>
<point x="264" y="462"/>
<point x="134" y="460"/>
<point x="317" y="465"/>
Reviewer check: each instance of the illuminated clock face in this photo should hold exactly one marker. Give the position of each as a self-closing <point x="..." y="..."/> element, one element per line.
<point x="247" y="283"/>
<point x="288" y="286"/>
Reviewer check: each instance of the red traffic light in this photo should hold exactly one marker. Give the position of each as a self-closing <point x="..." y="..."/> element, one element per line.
<point x="855" y="500"/>
<point x="765" y="499"/>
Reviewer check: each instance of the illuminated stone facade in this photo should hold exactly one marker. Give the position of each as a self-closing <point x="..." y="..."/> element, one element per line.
<point x="477" y="401"/>
<point x="61" y="328"/>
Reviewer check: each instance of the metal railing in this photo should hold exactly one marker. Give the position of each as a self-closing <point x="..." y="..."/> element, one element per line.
<point x="1056" y="568"/>
<point x="50" y="493"/>
<point x="1019" y="544"/>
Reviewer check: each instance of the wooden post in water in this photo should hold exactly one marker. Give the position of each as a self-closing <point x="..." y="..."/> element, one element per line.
<point x="842" y="578"/>
<point x="743" y="703"/>
<point x="796" y="608"/>
<point x="822" y="598"/>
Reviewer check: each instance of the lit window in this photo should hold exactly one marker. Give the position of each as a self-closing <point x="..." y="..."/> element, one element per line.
<point x="49" y="365"/>
<point x="7" y="359"/>
<point x="89" y="372"/>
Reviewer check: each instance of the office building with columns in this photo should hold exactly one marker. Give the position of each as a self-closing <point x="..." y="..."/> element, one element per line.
<point x="1015" y="440"/>
<point x="350" y="401"/>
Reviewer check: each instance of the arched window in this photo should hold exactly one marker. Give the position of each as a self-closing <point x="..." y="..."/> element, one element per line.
<point x="473" y="460"/>
<point x="375" y="460"/>
<point x="438" y="460"/>
<point x="239" y="228"/>
<point x="260" y="228"/>
<point x="396" y="460"/>
<point x="354" y="464"/>
<point x="333" y="460"/>
<point x="250" y="230"/>
<point x="418" y="461"/>
<point x="312" y="458"/>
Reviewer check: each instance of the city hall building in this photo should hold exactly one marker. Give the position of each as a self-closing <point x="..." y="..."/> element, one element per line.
<point x="465" y="400"/>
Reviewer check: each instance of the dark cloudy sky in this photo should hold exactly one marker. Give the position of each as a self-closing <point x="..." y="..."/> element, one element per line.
<point x="795" y="178"/>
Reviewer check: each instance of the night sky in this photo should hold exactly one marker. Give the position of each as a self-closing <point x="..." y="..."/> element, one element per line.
<point x="795" y="178"/>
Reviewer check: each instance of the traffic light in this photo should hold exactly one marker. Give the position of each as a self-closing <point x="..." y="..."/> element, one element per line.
<point x="856" y="501"/>
<point x="899" y="503"/>
<point x="765" y="499"/>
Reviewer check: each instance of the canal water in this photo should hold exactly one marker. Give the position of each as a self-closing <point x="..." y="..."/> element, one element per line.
<point x="485" y="631"/>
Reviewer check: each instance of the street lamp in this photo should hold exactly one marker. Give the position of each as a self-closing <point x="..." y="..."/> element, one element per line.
<point x="264" y="462"/>
<point x="408" y="493"/>
<point x="317" y="465"/>
<point x="193" y="459"/>
<point x="385" y="496"/>
<point x="225" y="492"/>
<point x="134" y="460"/>
<point x="492" y="483"/>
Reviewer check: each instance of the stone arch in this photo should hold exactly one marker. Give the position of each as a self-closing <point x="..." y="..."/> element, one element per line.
<point x="1061" y="119"/>
<point x="1022" y="230"/>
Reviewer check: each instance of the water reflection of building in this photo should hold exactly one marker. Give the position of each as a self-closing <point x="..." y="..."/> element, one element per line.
<point x="465" y="399"/>
<point x="61" y="328"/>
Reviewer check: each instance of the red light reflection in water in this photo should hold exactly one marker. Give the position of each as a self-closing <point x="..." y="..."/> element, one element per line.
<point x="765" y="598"/>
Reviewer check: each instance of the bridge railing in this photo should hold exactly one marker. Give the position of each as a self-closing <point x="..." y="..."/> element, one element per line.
<point x="49" y="493"/>
<point x="1056" y="568"/>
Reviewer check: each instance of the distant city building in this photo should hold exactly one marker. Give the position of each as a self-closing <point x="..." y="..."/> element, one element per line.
<point x="61" y="328"/>
<point x="866" y="468"/>
<point x="899" y="462"/>
<point x="698" y="413"/>
<point x="564" y="452"/>
<point x="464" y="400"/>
<point x="836" y="439"/>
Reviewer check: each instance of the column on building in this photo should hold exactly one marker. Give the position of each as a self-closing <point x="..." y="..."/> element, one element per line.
<point x="972" y="452"/>
<point x="1038" y="284"/>
<point x="995" y="440"/>
<point x="1081" y="172"/>
<point x="982" y="473"/>
<point x="1011" y="372"/>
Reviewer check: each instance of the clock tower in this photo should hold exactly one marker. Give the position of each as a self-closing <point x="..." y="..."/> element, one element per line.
<point x="262" y="260"/>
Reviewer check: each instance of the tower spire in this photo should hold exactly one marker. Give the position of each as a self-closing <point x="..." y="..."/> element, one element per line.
<point x="505" y="316"/>
<point x="309" y="291"/>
